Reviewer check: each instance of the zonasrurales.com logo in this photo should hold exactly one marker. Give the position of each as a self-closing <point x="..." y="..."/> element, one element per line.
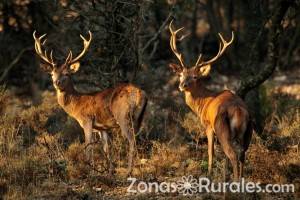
<point x="188" y="185"/>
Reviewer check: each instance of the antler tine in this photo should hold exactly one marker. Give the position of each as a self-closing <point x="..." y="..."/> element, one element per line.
<point x="69" y="58"/>
<point x="39" y="51"/>
<point x="199" y="59"/>
<point x="44" y="40"/>
<point x="222" y="47"/>
<point x="37" y="42"/>
<point x="225" y="43"/>
<point x="86" y="44"/>
<point x="173" y="43"/>
<point x="51" y="56"/>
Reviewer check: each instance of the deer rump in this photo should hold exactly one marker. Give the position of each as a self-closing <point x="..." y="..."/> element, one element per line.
<point x="121" y="106"/>
<point x="233" y="127"/>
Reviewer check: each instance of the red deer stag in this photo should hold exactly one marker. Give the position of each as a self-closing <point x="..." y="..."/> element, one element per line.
<point x="122" y="106"/>
<point x="223" y="114"/>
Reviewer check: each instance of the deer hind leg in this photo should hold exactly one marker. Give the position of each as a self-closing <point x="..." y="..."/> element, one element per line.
<point x="225" y="172"/>
<point x="231" y="154"/>
<point x="241" y="162"/>
<point x="128" y="132"/>
<point x="106" y="142"/>
<point x="224" y="136"/>
<point x="246" y="143"/>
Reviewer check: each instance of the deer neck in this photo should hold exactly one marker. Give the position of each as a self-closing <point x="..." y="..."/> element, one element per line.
<point x="198" y="99"/>
<point x="68" y="98"/>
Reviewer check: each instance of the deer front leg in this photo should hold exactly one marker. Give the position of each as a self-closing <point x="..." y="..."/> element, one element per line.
<point x="210" y="138"/>
<point x="88" y="133"/>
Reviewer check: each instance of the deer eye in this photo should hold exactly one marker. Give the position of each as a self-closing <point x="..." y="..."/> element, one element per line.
<point x="194" y="77"/>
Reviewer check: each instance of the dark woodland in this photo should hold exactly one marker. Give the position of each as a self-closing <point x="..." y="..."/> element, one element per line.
<point x="43" y="152"/>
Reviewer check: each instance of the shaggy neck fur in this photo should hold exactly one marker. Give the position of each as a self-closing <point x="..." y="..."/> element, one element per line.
<point x="198" y="98"/>
<point x="67" y="98"/>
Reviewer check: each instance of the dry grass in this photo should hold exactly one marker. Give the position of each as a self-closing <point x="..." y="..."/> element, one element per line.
<point x="191" y="124"/>
<point x="43" y="157"/>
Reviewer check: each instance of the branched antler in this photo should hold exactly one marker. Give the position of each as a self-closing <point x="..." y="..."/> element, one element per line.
<point x="38" y="48"/>
<point x="222" y="47"/>
<point x="173" y="39"/>
<point x="86" y="44"/>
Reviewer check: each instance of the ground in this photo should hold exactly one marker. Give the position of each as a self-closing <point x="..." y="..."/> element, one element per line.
<point x="42" y="154"/>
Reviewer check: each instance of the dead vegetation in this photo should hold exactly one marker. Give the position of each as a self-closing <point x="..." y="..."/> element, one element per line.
<point x="42" y="150"/>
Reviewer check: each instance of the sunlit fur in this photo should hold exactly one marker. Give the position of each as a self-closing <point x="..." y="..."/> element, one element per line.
<point x="223" y="114"/>
<point x="120" y="107"/>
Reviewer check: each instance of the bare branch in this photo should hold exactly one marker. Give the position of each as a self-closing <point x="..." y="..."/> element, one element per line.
<point x="13" y="63"/>
<point x="155" y="36"/>
<point x="273" y="51"/>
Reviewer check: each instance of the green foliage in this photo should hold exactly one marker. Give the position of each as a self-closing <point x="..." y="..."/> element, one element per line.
<point x="204" y="165"/>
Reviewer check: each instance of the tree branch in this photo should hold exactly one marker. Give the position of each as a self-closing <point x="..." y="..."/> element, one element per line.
<point x="155" y="36"/>
<point x="13" y="63"/>
<point x="273" y="50"/>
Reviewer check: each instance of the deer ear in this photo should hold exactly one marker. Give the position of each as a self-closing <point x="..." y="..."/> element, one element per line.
<point x="74" y="67"/>
<point x="175" y="68"/>
<point x="204" y="70"/>
<point x="46" y="67"/>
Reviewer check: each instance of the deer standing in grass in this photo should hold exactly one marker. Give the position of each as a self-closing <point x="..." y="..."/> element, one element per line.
<point x="122" y="106"/>
<point x="223" y="114"/>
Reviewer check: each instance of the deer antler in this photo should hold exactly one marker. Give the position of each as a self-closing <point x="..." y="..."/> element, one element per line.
<point x="222" y="47"/>
<point x="86" y="44"/>
<point x="173" y="39"/>
<point x="38" y="48"/>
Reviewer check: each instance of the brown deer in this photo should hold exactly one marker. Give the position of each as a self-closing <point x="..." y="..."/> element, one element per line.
<point x="122" y="106"/>
<point x="223" y="114"/>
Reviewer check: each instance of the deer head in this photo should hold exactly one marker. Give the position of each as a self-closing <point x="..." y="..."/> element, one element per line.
<point x="60" y="73"/>
<point x="191" y="76"/>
